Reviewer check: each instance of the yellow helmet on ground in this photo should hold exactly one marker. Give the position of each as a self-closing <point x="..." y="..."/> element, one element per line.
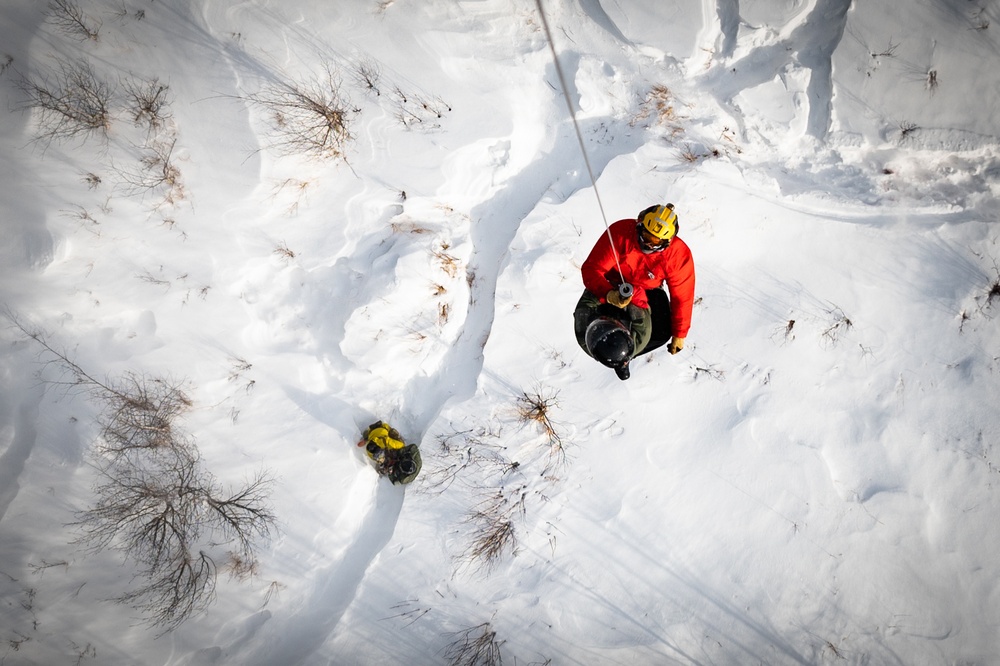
<point x="660" y="221"/>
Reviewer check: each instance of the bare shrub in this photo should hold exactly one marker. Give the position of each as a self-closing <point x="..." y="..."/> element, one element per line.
<point x="785" y="332"/>
<point x="447" y="262"/>
<point x="536" y="407"/>
<point x="73" y="102"/>
<point x="709" y="371"/>
<point x="475" y="646"/>
<point x="689" y="155"/>
<point x="414" y="110"/>
<point x="148" y="102"/>
<point x="367" y="75"/>
<point x="657" y="107"/>
<point x="839" y="325"/>
<point x="295" y="188"/>
<point x="68" y="17"/>
<point x="932" y="80"/>
<point x="154" y="500"/>
<point x="81" y="214"/>
<point x="311" y="119"/>
<point x="283" y="251"/>
<point x="477" y="448"/>
<point x="5" y="63"/>
<point x="888" y="52"/>
<point x="494" y="530"/>
<point x="239" y="366"/>
<point x="991" y="293"/>
<point x="907" y="129"/>
<point x="408" y="227"/>
<point x="139" y="412"/>
<point x="156" y="171"/>
<point x="38" y="569"/>
<point x="411" y="615"/>
<point x="273" y="590"/>
<point x="122" y="13"/>
<point x="148" y="277"/>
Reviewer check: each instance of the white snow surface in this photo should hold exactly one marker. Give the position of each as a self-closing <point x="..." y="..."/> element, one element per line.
<point x="810" y="481"/>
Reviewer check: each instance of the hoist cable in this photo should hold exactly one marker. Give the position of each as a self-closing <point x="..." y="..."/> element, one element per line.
<point x="579" y="136"/>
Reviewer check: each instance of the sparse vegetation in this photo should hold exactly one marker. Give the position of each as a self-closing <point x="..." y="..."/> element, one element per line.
<point x="154" y="500"/>
<point x="477" y="448"/>
<point x="475" y="646"/>
<point x="479" y="460"/>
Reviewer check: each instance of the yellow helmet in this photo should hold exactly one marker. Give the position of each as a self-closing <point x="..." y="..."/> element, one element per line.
<point x="660" y="221"/>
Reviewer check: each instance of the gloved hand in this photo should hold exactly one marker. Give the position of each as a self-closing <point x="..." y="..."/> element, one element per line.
<point x="376" y="451"/>
<point x="616" y="299"/>
<point x="675" y="345"/>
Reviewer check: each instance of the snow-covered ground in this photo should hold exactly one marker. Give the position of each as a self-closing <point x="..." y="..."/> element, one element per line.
<point x="812" y="480"/>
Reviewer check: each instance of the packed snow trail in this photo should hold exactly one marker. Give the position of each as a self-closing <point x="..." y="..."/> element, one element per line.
<point x="365" y="525"/>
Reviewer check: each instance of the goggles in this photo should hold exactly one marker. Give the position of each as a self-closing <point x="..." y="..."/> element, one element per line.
<point x="651" y="243"/>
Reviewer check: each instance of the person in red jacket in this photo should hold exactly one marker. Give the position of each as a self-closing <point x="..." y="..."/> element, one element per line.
<point x="613" y="322"/>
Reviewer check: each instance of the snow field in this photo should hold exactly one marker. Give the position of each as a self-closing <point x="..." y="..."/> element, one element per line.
<point x="811" y="481"/>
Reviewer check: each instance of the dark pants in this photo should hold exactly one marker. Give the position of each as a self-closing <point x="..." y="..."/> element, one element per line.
<point x="588" y="308"/>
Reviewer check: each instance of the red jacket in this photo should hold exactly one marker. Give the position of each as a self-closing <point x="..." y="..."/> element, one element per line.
<point x="674" y="265"/>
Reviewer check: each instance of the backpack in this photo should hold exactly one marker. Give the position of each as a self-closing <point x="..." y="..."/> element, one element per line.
<point x="390" y="455"/>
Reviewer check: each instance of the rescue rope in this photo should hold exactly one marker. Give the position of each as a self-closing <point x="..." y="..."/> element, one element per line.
<point x="625" y="289"/>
